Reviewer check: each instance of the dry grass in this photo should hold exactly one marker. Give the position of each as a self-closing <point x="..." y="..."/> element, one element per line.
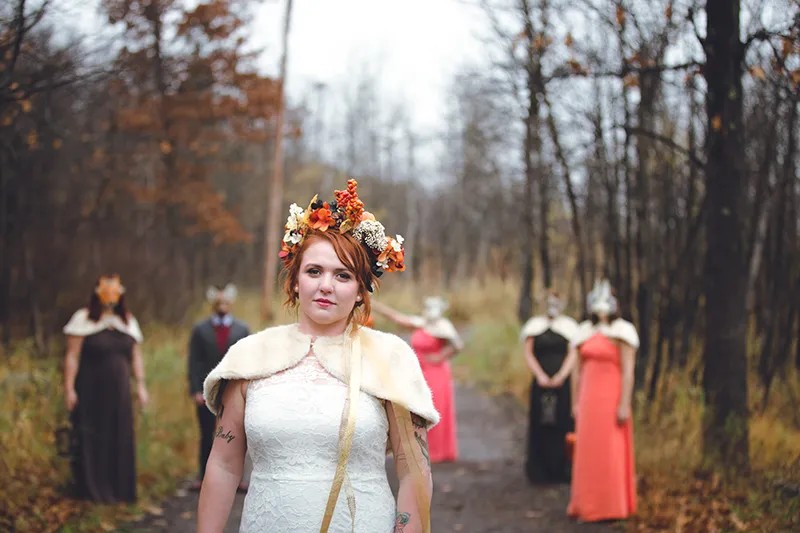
<point x="674" y="494"/>
<point x="35" y="477"/>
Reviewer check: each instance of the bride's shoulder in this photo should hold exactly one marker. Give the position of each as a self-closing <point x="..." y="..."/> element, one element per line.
<point x="384" y="344"/>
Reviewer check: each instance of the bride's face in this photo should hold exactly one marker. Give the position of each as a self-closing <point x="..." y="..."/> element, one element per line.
<point x="327" y="290"/>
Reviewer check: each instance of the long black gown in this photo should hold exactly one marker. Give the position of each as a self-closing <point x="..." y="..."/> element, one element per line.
<point x="104" y="461"/>
<point x="550" y="417"/>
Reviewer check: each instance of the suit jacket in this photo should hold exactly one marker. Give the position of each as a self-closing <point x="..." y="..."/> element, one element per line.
<point x="204" y="354"/>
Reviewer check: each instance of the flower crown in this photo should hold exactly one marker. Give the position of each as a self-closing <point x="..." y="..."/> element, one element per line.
<point x="344" y="214"/>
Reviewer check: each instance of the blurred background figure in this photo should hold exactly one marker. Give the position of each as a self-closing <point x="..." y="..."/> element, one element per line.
<point x="435" y="341"/>
<point x="103" y="345"/>
<point x="546" y="339"/>
<point x="208" y="343"/>
<point x="603" y="474"/>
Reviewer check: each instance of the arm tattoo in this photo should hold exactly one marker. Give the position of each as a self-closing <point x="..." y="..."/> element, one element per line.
<point x="401" y="520"/>
<point x="423" y="445"/>
<point x="418" y="421"/>
<point x="225" y="436"/>
<point x="223" y="384"/>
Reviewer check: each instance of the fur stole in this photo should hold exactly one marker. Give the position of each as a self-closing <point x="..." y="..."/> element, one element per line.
<point x="619" y="329"/>
<point x="389" y="368"/>
<point x="562" y="325"/>
<point x="80" y="325"/>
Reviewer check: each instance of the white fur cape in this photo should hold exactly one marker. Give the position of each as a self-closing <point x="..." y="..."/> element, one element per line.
<point x="441" y="328"/>
<point x="619" y="329"/>
<point x="563" y="325"/>
<point x="80" y="325"/>
<point x="389" y="368"/>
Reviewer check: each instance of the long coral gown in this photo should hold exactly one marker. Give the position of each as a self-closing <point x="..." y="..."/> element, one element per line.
<point x="442" y="443"/>
<point x="603" y="476"/>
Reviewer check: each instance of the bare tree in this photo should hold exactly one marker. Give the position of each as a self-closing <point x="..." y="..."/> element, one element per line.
<point x="725" y="373"/>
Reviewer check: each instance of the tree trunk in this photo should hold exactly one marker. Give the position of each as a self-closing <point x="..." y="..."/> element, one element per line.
<point x="649" y="89"/>
<point x="575" y="224"/>
<point x="272" y="224"/>
<point x="525" y="307"/>
<point x="725" y="428"/>
<point x="544" y="224"/>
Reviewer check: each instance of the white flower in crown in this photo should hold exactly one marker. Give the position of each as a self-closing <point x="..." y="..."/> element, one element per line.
<point x="292" y="237"/>
<point x="295" y="217"/>
<point x="372" y="233"/>
<point x="397" y="243"/>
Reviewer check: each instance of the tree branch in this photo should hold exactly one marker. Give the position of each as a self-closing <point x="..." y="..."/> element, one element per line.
<point x="564" y="72"/>
<point x="693" y="158"/>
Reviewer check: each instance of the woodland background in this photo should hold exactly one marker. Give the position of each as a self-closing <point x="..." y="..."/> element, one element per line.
<point x="653" y="142"/>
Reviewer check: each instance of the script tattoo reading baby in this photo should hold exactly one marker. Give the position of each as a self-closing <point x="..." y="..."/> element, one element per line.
<point x="227" y="436"/>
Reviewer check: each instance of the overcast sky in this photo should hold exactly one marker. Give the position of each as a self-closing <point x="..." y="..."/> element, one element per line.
<point x="413" y="46"/>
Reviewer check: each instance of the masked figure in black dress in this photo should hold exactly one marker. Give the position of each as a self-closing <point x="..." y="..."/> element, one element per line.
<point x="546" y="344"/>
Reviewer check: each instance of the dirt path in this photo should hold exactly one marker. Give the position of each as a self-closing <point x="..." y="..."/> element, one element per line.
<point x="484" y="492"/>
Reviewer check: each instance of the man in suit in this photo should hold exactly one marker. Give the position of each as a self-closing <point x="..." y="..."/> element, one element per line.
<point x="209" y="342"/>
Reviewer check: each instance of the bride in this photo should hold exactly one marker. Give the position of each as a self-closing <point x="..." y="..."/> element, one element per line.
<point x="318" y="403"/>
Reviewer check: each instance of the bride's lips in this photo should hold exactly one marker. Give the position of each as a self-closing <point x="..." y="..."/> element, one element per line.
<point x="322" y="302"/>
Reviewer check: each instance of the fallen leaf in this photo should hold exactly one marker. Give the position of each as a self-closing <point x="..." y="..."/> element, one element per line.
<point x="153" y="510"/>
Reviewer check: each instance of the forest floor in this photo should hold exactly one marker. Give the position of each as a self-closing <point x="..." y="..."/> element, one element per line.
<point x="485" y="491"/>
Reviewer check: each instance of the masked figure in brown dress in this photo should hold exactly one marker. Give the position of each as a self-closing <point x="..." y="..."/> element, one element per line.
<point x="103" y="350"/>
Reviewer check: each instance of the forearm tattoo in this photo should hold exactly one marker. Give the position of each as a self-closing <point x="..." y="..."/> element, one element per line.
<point x="419" y="423"/>
<point x="401" y="520"/>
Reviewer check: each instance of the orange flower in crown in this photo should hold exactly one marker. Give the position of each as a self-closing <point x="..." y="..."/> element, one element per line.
<point x="321" y="218"/>
<point x="344" y="214"/>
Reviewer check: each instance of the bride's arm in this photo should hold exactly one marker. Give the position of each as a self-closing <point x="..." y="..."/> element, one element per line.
<point x="226" y="462"/>
<point x="414" y="491"/>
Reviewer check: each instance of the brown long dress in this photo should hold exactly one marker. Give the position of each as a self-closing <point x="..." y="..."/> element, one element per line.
<point x="104" y="462"/>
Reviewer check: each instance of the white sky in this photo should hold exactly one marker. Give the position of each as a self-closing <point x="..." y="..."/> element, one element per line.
<point x="413" y="46"/>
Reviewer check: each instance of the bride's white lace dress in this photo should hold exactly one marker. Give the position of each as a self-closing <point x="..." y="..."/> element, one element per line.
<point x="292" y="423"/>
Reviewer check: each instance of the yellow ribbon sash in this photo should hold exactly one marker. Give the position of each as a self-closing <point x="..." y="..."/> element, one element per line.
<point x="347" y="430"/>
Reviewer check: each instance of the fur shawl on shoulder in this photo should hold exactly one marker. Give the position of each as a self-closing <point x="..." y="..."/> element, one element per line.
<point x="389" y="368"/>
<point x="619" y="329"/>
<point x="562" y="325"/>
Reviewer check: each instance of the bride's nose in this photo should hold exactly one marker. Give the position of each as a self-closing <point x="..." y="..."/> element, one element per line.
<point x="326" y="284"/>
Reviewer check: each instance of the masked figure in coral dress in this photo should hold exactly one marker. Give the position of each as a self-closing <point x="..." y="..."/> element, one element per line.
<point x="435" y="341"/>
<point x="603" y="474"/>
